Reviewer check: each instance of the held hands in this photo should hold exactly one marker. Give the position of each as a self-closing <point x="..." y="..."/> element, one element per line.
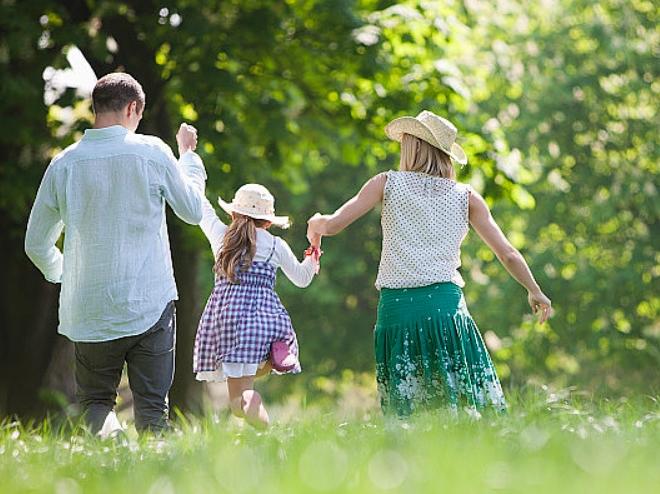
<point x="541" y="305"/>
<point x="186" y="138"/>
<point x="315" y="228"/>
<point x="315" y="253"/>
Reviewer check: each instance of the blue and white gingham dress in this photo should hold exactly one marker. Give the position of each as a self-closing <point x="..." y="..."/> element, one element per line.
<point x="241" y="320"/>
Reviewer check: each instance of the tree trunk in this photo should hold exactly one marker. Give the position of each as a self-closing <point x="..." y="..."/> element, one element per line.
<point x="36" y="364"/>
<point x="187" y="393"/>
<point x="28" y="305"/>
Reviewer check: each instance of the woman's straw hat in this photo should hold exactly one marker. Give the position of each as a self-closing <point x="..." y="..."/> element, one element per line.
<point x="255" y="201"/>
<point x="429" y="127"/>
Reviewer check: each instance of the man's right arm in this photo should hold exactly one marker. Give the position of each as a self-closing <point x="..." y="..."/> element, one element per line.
<point x="44" y="229"/>
<point x="183" y="186"/>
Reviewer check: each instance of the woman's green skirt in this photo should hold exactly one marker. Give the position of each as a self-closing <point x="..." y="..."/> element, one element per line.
<point x="430" y="354"/>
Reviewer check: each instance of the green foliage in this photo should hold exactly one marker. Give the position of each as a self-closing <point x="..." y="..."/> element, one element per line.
<point x="549" y="442"/>
<point x="557" y="108"/>
<point x="585" y="125"/>
<point x="556" y="103"/>
<point x="24" y="136"/>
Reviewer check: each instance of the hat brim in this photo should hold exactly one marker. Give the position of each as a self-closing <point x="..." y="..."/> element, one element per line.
<point x="280" y="221"/>
<point x="410" y="125"/>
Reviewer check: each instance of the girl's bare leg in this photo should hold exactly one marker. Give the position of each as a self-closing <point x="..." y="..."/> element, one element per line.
<point x="265" y="370"/>
<point x="246" y="403"/>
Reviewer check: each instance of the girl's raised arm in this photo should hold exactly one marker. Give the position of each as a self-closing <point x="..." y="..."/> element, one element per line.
<point x="364" y="201"/>
<point x="213" y="228"/>
<point x="484" y="224"/>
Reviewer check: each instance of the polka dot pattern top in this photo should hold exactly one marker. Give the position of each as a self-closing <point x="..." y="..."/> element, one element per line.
<point x="424" y="221"/>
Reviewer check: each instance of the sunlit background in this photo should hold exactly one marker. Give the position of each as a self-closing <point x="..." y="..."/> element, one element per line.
<point x="556" y="104"/>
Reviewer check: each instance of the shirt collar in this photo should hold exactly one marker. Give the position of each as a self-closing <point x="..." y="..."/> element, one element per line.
<point x="105" y="132"/>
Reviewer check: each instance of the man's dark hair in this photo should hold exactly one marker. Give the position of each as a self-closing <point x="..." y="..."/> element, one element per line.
<point x="113" y="92"/>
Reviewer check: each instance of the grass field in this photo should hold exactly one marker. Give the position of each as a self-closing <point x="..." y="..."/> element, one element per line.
<point x="547" y="443"/>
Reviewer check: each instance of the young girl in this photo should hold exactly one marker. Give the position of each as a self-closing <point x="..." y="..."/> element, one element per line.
<point x="429" y="352"/>
<point x="244" y="322"/>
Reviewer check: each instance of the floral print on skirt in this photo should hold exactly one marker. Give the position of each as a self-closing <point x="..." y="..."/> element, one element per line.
<point x="430" y="354"/>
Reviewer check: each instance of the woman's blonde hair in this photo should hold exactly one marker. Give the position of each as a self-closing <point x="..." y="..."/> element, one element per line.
<point x="238" y="246"/>
<point x="420" y="156"/>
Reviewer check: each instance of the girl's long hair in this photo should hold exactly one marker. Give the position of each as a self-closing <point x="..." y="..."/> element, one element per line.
<point x="418" y="155"/>
<point x="238" y="246"/>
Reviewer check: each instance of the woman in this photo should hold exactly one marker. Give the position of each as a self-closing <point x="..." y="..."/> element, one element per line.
<point x="429" y="352"/>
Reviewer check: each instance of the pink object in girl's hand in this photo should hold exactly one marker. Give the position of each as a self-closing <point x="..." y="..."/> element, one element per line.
<point x="281" y="358"/>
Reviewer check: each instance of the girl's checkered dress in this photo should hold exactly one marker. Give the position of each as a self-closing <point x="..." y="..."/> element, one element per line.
<point x="241" y="320"/>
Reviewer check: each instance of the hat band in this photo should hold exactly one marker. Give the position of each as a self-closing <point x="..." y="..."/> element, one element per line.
<point x="252" y="210"/>
<point x="255" y="208"/>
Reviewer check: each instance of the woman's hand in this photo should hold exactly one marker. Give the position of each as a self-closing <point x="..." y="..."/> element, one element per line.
<point x="540" y="305"/>
<point x="316" y="229"/>
<point x="483" y="223"/>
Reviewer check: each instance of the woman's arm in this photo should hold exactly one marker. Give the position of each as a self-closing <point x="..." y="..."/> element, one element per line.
<point x="483" y="223"/>
<point x="364" y="201"/>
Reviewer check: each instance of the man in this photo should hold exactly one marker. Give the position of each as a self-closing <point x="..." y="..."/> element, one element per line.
<point x="108" y="192"/>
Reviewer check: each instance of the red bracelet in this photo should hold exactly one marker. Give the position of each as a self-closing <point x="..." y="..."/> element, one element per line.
<point x="315" y="251"/>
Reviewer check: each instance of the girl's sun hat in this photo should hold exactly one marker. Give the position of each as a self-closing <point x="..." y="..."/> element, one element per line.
<point x="257" y="202"/>
<point x="429" y="127"/>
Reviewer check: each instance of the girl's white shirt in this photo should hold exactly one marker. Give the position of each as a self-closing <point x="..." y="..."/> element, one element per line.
<point x="300" y="273"/>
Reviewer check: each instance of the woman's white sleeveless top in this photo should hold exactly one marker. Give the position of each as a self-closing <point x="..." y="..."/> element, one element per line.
<point x="424" y="221"/>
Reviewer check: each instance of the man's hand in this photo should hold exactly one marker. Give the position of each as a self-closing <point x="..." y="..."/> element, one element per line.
<point x="186" y="138"/>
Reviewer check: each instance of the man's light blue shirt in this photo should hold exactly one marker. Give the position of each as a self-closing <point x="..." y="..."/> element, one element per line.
<point x="108" y="193"/>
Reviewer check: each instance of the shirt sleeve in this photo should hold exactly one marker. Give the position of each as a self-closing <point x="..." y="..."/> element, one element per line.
<point x="183" y="185"/>
<point x="213" y="228"/>
<point x="44" y="228"/>
<point x="300" y="273"/>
